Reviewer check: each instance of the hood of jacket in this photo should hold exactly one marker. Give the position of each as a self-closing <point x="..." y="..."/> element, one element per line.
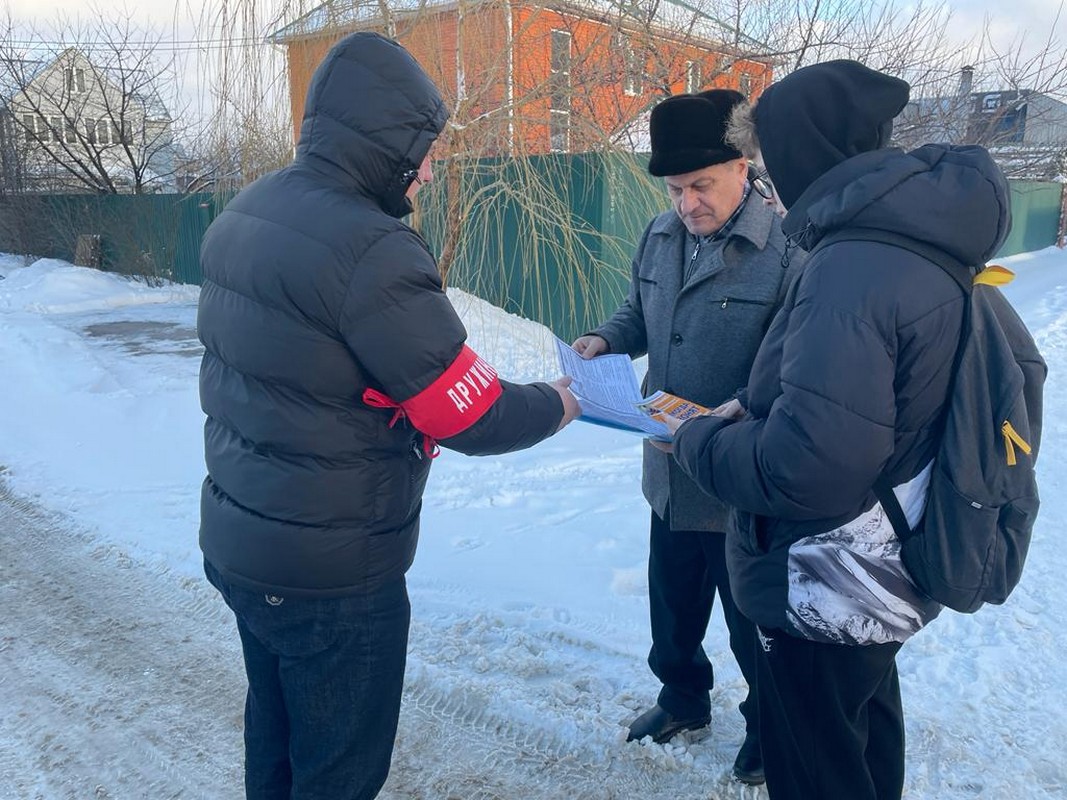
<point x="952" y="197"/>
<point x="370" y="118"/>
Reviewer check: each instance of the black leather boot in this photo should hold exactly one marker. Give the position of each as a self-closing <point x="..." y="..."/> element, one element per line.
<point x="661" y="725"/>
<point x="748" y="766"/>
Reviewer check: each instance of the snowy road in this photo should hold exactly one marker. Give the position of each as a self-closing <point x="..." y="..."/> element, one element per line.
<point x="142" y="670"/>
<point x="145" y="671"/>
<point x="120" y="670"/>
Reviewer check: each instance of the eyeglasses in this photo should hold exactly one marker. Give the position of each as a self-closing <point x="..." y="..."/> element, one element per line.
<point x="761" y="184"/>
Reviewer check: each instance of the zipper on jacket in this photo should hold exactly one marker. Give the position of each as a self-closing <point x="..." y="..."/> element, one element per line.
<point x="690" y="268"/>
<point x="727" y="300"/>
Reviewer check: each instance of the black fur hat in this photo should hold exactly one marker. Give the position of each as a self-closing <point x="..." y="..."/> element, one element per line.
<point x="687" y="132"/>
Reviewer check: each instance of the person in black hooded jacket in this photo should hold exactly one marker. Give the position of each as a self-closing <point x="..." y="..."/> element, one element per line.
<point x="334" y="366"/>
<point x="850" y="384"/>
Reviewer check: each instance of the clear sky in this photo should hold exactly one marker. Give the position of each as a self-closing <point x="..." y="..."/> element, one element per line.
<point x="1032" y="19"/>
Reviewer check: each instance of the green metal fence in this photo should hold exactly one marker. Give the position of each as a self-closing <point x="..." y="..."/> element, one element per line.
<point x="548" y="237"/>
<point x="153" y="235"/>
<point x="1035" y="212"/>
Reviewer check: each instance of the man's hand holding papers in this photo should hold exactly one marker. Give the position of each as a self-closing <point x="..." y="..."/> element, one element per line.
<point x="607" y="391"/>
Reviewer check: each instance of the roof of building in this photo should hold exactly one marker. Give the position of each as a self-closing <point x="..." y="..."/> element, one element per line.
<point x="17" y="75"/>
<point x="668" y="16"/>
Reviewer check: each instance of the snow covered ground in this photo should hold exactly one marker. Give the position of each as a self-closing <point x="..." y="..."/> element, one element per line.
<point x="120" y="672"/>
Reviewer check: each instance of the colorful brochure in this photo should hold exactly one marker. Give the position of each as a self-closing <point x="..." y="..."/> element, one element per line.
<point x="607" y="391"/>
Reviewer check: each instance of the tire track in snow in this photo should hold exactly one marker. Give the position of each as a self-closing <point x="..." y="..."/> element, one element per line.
<point x="120" y="682"/>
<point x="521" y="691"/>
<point x="115" y="683"/>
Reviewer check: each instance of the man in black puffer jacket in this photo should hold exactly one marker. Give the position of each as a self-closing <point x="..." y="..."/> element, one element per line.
<point x="334" y="365"/>
<point x="850" y="383"/>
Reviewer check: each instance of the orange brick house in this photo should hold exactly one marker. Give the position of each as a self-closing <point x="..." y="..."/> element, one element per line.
<point x="536" y="77"/>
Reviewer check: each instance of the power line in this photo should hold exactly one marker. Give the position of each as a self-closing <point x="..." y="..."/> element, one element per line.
<point x="219" y="40"/>
<point x="128" y="46"/>
<point x="176" y="44"/>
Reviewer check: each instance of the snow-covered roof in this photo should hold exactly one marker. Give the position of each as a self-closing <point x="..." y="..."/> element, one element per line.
<point x="668" y="15"/>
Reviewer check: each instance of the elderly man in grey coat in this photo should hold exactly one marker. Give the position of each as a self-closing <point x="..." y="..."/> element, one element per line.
<point x="707" y="278"/>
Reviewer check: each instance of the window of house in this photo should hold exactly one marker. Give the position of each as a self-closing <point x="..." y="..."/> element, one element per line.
<point x="103" y="131"/>
<point x="561" y="51"/>
<point x="559" y="131"/>
<point x="29" y="127"/>
<point x="70" y="132"/>
<point x="44" y="133"/>
<point x="90" y="130"/>
<point x="560" y="72"/>
<point x="75" y="80"/>
<point x="120" y="133"/>
<point x="694" y="79"/>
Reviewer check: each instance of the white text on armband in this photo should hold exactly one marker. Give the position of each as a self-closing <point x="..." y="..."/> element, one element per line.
<point x="480" y="375"/>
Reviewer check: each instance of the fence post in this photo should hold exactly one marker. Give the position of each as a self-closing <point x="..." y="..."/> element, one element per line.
<point x="87" y="250"/>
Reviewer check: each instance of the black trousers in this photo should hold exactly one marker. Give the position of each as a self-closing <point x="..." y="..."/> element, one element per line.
<point x="685" y="570"/>
<point x="832" y="722"/>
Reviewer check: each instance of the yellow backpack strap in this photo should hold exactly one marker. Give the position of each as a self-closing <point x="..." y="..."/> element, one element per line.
<point x="1012" y="439"/>
<point x="994" y="275"/>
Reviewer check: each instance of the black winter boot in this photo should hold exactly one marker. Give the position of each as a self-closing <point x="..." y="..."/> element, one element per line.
<point x="748" y="766"/>
<point x="661" y="725"/>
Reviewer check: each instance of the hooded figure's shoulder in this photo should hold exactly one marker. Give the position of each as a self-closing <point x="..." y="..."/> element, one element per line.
<point x="953" y="198"/>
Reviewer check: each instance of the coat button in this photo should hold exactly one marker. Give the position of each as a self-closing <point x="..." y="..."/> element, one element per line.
<point x="676" y="338"/>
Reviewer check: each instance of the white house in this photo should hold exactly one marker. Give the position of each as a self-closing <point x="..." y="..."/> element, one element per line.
<point x="78" y="126"/>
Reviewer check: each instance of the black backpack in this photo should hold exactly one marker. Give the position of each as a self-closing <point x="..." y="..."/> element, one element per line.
<point x="969" y="547"/>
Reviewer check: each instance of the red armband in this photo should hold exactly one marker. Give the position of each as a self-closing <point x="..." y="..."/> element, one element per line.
<point x="452" y="403"/>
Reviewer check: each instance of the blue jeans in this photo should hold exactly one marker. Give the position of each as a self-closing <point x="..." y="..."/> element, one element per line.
<point x="325" y="677"/>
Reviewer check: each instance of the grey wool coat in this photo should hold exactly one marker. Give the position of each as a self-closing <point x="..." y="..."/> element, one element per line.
<point x="701" y="338"/>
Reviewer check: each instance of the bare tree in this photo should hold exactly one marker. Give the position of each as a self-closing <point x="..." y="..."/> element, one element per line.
<point x="86" y="107"/>
<point x="245" y="130"/>
<point x="491" y="161"/>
